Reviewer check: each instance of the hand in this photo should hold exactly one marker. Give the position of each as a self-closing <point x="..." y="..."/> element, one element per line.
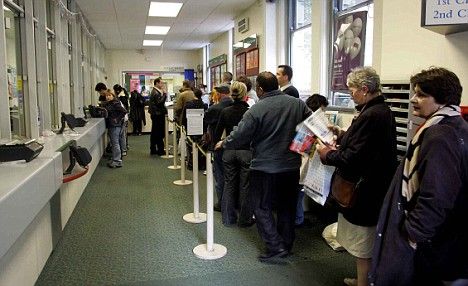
<point x="323" y="149"/>
<point x="335" y="129"/>
<point x="219" y="145"/>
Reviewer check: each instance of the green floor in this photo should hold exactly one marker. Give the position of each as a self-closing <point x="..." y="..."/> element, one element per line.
<point x="127" y="229"/>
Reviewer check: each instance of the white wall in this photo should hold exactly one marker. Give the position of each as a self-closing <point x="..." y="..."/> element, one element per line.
<point x="147" y="60"/>
<point x="406" y="48"/>
<point x="220" y="46"/>
<point x="256" y="16"/>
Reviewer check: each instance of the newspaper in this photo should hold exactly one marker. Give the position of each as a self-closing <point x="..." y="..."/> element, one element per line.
<point x="317" y="180"/>
<point x="318" y="124"/>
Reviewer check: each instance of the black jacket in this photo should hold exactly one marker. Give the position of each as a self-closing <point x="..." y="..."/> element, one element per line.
<point x="230" y="117"/>
<point x="156" y="103"/>
<point x="292" y="91"/>
<point x="210" y="121"/>
<point x="115" y="113"/>
<point x="367" y="151"/>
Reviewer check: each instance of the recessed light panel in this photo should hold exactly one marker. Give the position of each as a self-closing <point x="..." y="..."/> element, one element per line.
<point x="154" y="43"/>
<point x="157" y="30"/>
<point x="164" y="9"/>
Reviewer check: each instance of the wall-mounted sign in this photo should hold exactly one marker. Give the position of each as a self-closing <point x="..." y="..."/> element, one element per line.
<point x="219" y="60"/>
<point x="445" y="16"/>
<point x="446" y="12"/>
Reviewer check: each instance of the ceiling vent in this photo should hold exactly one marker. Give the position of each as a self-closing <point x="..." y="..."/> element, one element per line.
<point x="243" y="25"/>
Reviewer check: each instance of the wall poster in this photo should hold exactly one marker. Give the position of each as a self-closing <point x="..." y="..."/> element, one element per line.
<point x="240" y="64"/>
<point x="348" y="49"/>
<point x="251" y="65"/>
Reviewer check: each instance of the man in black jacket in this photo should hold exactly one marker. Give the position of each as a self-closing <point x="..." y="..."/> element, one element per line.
<point x="284" y="75"/>
<point x="158" y="111"/>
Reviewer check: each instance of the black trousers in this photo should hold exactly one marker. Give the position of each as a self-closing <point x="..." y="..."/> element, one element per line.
<point x="137" y="126"/>
<point x="278" y="192"/>
<point x="236" y="186"/>
<point x="158" y="129"/>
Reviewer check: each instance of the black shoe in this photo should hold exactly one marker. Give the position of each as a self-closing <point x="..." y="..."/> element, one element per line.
<point x="153" y="152"/>
<point x="272" y="255"/>
<point x="217" y="208"/>
<point x="248" y="223"/>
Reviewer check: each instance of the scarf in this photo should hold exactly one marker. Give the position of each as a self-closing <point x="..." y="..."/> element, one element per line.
<point x="410" y="172"/>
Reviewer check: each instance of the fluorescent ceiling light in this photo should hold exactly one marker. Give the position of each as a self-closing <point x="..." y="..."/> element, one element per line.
<point x="157" y="30"/>
<point x="164" y="9"/>
<point x="156" y="43"/>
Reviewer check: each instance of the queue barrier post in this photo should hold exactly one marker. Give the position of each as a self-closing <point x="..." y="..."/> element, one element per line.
<point x="209" y="250"/>
<point x="175" y="166"/>
<point x="166" y="139"/>
<point x="183" y="155"/>
<point x="196" y="216"/>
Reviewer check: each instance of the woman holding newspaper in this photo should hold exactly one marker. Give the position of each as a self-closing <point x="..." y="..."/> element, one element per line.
<point x="364" y="155"/>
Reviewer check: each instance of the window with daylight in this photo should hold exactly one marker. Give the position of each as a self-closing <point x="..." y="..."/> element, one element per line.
<point x="300" y="45"/>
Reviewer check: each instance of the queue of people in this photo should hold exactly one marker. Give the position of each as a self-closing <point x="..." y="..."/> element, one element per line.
<point x="405" y="225"/>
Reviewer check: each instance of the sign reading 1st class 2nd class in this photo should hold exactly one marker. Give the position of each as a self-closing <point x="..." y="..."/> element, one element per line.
<point x="446" y="12"/>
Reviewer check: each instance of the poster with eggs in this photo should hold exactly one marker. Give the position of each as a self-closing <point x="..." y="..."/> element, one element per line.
<point x="348" y="48"/>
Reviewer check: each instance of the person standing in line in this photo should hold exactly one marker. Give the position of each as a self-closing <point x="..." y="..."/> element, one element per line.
<point x="122" y="95"/>
<point x="314" y="102"/>
<point x="211" y="121"/>
<point x="114" y="122"/>
<point x="158" y="111"/>
<point x="227" y="78"/>
<point x="366" y="156"/>
<point x="186" y="94"/>
<point x="284" y="74"/>
<point x="269" y="127"/>
<point x="137" y="112"/>
<point x="422" y="237"/>
<point x="236" y="163"/>
<point x="251" y="97"/>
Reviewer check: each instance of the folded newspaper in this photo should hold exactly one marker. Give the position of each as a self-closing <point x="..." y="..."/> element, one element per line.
<point x="318" y="124"/>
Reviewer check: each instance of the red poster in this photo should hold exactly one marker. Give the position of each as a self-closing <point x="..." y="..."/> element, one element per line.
<point x="348" y="49"/>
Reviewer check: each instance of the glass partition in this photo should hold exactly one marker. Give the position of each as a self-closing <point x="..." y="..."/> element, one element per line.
<point x="14" y="71"/>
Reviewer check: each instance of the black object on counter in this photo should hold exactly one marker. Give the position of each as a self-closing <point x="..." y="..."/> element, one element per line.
<point x="20" y="151"/>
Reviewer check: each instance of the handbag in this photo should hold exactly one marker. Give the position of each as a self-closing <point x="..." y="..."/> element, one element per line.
<point x="342" y="191"/>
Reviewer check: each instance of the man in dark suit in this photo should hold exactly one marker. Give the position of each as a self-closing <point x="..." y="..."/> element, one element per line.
<point x="158" y="112"/>
<point x="284" y="75"/>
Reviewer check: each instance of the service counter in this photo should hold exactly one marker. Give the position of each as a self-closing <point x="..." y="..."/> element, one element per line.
<point x="35" y="205"/>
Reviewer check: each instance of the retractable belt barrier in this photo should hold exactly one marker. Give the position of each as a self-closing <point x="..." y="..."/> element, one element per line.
<point x="166" y="139"/>
<point x="208" y="250"/>
<point x="175" y="166"/>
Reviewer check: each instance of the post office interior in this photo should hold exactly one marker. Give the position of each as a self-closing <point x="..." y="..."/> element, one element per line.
<point x="53" y="52"/>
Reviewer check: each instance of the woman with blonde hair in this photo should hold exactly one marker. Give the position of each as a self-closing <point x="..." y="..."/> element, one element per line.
<point x="236" y="163"/>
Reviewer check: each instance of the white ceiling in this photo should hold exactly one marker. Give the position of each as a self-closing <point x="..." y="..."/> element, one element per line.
<point x="120" y="24"/>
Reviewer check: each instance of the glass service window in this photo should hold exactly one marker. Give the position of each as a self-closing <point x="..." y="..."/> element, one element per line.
<point x="345" y="7"/>
<point x="13" y="31"/>
<point x="301" y="49"/>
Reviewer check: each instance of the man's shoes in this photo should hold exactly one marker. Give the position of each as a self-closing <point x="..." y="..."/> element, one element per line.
<point x="245" y="224"/>
<point x="217" y="208"/>
<point x="350" y="281"/>
<point x="153" y="152"/>
<point x="114" y="165"/>
<point x="273" y="255"/>
<point x="124" y="153"/>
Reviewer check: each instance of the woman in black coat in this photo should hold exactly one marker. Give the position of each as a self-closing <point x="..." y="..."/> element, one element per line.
<point x="366" y="153"/>
<point x="137" y="112"/>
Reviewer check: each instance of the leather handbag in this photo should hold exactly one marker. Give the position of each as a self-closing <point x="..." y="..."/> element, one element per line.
<point x="342" y="191"/>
